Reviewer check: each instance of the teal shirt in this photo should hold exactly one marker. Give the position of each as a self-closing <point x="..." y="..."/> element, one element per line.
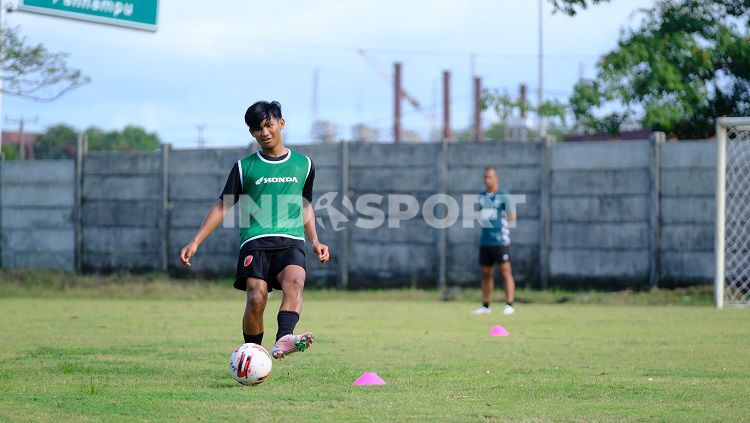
<point x="494" y="217"/>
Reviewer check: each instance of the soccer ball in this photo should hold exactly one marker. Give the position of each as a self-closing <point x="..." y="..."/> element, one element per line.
<point x="250" y="364"/>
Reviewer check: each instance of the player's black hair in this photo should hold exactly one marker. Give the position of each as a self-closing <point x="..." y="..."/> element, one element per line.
<point x="488" y="168"/>
<point x="260" y="111"/>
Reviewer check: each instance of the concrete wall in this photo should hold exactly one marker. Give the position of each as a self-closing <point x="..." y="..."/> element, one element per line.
<point x="688" y="188"/>
<point x="591" y="215"/>
<point x="599" y="213"/>
<point x="390" y="256"/>
<point x="196" y="178"/>
<point x="121" y="206"/>
<point x="37" y="208"/>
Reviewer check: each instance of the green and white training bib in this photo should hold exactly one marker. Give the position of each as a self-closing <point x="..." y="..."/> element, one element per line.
<point x="272" y="200"/>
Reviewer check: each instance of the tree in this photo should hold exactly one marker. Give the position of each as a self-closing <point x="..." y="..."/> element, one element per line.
<point x="11" y="152"/>
<point x="687" y="63"/>
<point x="506" y="107"/>
<point x="57" y="142"/>
<point x="571" y="7"/>
<point x="130" y="138"/>
<point x="33" y="72"/>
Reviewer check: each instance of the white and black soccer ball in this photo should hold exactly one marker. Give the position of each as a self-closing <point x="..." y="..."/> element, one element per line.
<point x="250" y="364"/>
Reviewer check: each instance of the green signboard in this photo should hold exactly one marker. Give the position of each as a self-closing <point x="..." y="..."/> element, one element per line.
<point x="138" y="14"/>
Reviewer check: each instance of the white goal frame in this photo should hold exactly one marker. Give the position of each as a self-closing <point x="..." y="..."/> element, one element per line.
<point x="723" y="127"/>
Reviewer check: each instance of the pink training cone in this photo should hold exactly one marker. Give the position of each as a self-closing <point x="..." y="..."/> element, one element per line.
<point x="499" y="331"/>
<point x="369" y="378"/>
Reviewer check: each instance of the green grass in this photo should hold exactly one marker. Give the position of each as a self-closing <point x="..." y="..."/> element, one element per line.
<point x="133" y="349"/>
<point x="20" y="283"/>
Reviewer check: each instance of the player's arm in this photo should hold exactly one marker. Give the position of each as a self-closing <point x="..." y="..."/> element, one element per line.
<point x="210" y="223"/>
<point x="232" y="191"/>
<point x="510" y="207"/>
<point x="308" y="216"/>
<point x="312" y="236"/>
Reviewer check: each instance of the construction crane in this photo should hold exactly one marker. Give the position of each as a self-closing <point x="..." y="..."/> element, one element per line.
<point x="387" y="77"/>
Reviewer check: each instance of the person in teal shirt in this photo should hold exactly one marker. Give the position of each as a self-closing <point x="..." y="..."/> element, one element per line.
<point x="498" y="209"/>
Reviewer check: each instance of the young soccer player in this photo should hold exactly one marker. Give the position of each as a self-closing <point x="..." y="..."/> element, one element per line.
<point x="274" y="189"/>
<point x="498" y="209"/>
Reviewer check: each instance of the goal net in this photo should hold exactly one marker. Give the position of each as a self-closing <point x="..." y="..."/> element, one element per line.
<point x="732" y="281"/>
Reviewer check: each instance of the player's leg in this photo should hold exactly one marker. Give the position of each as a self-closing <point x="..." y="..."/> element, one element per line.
<point x="510" y="286"/>
<point x="488" y="285"/>
<point x="291" y="279"/>
<point x="252" y="321"/>
<point x="487" y="260"/>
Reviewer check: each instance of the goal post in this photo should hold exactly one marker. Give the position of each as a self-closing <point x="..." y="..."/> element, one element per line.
<point x="732" y="237"/>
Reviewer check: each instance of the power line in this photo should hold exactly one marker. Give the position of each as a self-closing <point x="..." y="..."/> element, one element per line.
<point x="384" y="50"/>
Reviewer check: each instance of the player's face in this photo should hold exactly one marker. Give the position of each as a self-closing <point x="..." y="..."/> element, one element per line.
<point x="269" y="134"/>
<point x="490" y="179"/>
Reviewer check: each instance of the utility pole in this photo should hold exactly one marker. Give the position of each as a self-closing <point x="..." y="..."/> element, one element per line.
<point x="447" y="105"/>
<point x="21" y="121"/>
<point x="388" y="78"/>
<point x="434" y="120"/>
<point x="316" y="77"/>
<point x="397" y="105"/>
<point x="522" y="132"/>
<point x="542" y="127"/>
<point x="473" y="70"/>
<point x="2" y="73"/>
<point x="478" y="133"/>
<point x="201" y="139"/>
<point x="21" y="143"/>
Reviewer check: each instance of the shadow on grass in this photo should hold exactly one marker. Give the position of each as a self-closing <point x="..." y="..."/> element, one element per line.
<point x="226" y="384"/>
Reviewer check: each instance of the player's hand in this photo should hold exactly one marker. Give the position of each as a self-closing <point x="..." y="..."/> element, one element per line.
<point x="321" y="250"/>
<point x="187" y="252"/>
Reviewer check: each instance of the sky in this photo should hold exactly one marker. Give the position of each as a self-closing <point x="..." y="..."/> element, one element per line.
<point x="209" y="61"/>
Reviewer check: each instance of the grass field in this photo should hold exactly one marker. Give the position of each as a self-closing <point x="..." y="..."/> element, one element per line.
<point x="71" y="351"/>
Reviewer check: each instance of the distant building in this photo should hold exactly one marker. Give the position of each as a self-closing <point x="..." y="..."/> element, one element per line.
<point x="364" y="133"/>
<point x="435" y="134"/>
<point x="408" y="135"/>
<point x="324" y="131"/>
<point x="13" y="138"/>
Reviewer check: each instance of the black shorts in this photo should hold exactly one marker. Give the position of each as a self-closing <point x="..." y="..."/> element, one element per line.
<point x="266" y="265"/>
<point x="497" y="254"/>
